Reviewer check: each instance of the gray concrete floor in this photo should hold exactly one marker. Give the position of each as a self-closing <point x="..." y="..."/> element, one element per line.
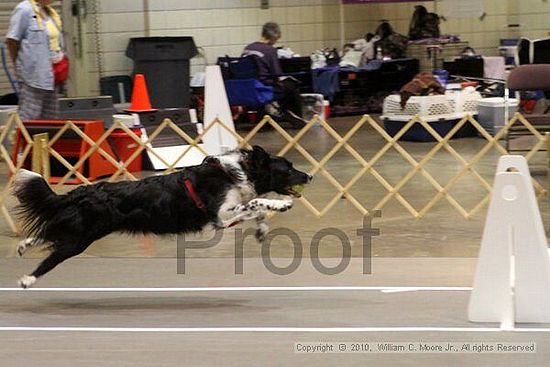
<point x="438" y="250"/>
<point x="244" y="349"/>
<point x="243" y="309"/>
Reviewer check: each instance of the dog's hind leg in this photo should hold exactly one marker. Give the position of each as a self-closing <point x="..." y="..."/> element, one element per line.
<point x="261" y="229"/>
<point x="59" y="254"/>
<point x="27" y="243"/>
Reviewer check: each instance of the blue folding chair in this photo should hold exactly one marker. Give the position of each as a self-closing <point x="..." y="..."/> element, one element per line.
<point x="242" y="84"/>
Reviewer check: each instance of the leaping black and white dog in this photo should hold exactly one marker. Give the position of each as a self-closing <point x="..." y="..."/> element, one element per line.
<point x="223" y="190"/>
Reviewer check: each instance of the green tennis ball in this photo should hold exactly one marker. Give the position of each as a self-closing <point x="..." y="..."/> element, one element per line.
<point x="298" y="188"/>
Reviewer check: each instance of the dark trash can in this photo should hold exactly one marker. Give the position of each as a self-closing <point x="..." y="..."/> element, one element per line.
<point x="118" y="86"/>
<point x="165" y="63"/>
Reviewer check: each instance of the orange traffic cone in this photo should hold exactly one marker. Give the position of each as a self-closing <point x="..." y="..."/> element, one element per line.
<point x="140" y="96"/>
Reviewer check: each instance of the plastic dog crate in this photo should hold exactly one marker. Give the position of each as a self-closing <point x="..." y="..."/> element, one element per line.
<point x="425" y="106"/>
<point x="439" y="111"/>
<point x="491" y="113"/>
<point x="464" y="102"/>
<point x="418" y="133"/>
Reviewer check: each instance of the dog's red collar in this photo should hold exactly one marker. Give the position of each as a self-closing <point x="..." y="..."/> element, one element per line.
<point x="191" y="190"/>
<point x="193" y="194"/>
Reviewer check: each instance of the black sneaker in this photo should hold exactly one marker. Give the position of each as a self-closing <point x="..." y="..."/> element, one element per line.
<point x="274" y="110"/>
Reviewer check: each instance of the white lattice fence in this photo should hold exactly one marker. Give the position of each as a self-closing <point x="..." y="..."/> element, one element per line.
<point x="293" y="142"/>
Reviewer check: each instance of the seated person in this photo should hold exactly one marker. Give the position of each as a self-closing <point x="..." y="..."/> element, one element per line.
<point x="288" y="104"/>
<point x="369" y="51"/>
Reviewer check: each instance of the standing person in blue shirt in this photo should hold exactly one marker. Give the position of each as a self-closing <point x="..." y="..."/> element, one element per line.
<point x="288" y="103"/>
<point x="35" y="43"/>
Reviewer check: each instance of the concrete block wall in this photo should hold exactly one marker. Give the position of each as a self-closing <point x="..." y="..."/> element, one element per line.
<point x="219" y="27"/>
<point x="532" y="16"/>
<point x="482" y="35"/>
<point x="224" y="27"/>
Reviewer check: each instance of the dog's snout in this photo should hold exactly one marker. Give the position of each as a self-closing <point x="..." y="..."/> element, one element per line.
<point x="309" y="177"/>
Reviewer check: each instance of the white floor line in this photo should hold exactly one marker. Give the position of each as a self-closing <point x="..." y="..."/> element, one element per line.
<point x="240" y="289"/>
<point x="268" y="329"/>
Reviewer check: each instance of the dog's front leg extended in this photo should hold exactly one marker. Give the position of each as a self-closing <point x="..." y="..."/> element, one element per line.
<point x="256" y="208"/>
<point x="270" y="204"/>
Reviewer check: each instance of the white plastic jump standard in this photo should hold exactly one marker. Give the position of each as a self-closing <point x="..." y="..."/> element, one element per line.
<point x="512" y="281"/>
<point x="216" y="106"/>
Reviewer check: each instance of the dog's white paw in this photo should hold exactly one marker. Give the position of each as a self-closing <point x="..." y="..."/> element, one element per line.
<point x="280" y="205"/>
<point x="26" y="281"/>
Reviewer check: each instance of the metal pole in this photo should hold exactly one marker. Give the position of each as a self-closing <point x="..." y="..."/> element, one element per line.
<point x="40" y="155"/>
<point x="342" y="25"/>
<point x="146" y="19"/>
<point x="506" y="100"/>
<point x="45" y="156"/>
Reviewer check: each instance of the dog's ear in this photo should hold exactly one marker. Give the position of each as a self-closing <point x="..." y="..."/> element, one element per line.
<point x="211" y="161"/>
<point x="259" y="156"/>
<point x="258" y="149"/>
<point x="208" y="159"/>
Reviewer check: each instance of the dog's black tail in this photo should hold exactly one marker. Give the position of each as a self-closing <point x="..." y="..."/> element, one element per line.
<point x="37" y="202"/>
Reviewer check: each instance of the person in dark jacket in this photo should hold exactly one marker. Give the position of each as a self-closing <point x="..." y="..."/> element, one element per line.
<point x="288" y="104"/>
